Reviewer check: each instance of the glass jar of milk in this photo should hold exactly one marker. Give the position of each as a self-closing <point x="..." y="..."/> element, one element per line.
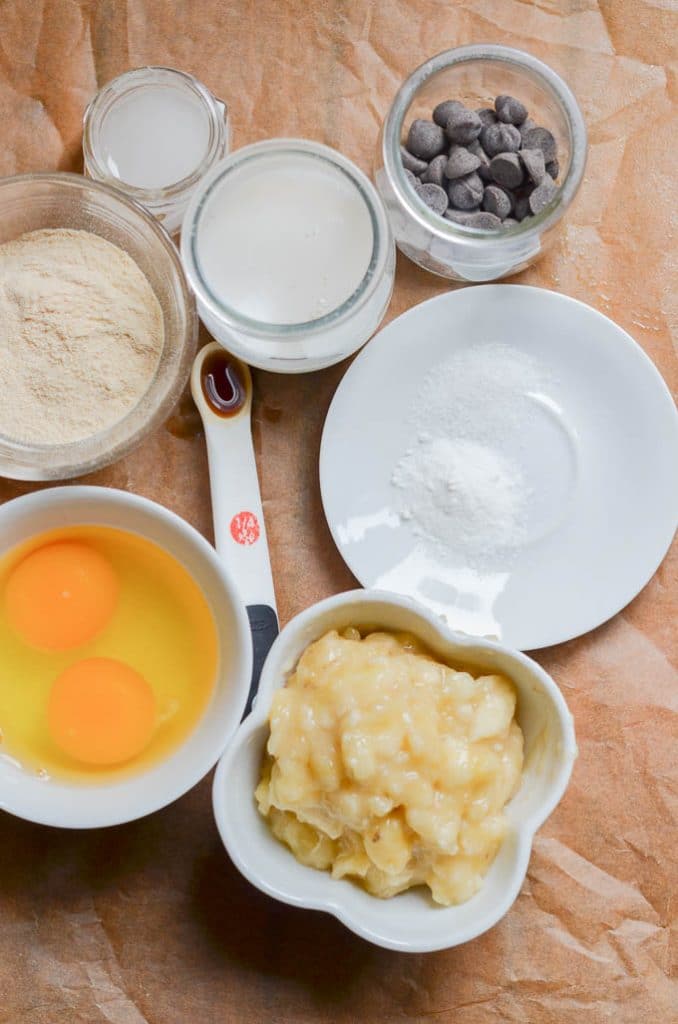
<point x="288" y="248"/>
<point x="154" y="133"/>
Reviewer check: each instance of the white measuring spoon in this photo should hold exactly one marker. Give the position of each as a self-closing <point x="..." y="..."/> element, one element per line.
<point x="221" y="386"/>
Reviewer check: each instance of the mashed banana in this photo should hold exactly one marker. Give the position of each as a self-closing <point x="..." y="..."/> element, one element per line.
<point x="390" y="767"/>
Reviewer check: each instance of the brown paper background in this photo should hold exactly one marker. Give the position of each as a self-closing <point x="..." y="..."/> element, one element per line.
<point x="149" y="923"/>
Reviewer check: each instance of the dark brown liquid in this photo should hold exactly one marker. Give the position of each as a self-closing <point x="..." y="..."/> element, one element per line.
<point x="223" y="383"/>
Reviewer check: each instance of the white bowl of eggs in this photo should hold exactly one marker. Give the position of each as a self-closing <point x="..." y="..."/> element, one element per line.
<point x="125" y="657"/>
<point x="393" y="773"/>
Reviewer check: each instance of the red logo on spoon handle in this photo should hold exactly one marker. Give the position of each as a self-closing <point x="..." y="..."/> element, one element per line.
<point x="245" y="528"/>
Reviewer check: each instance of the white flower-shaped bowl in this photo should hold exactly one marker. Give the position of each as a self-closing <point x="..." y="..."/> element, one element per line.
<point x="411" y="921"/>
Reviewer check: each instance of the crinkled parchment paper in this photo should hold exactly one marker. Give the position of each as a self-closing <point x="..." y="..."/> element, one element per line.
<point x="149" y="923"/>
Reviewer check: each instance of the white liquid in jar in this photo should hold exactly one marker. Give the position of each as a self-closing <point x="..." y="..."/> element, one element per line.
<point x="154" y="136"/>
<point x="285" y="238"/>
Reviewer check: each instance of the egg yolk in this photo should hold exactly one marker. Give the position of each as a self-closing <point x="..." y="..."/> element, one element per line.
<point x="101" y="711"/>
<point x="61" y="595"/>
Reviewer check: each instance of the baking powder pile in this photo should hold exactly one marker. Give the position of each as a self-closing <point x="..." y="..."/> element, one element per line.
<point x="81" y="333"/>
<point x="461" y="494"/>
<point x="460" y="486"/>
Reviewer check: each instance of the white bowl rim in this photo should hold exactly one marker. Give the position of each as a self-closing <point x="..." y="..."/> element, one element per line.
<point x="63" y="817"/>
<point x="258" y="719"/>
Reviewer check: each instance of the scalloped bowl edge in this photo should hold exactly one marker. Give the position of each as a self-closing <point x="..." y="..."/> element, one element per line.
<point x="409" y="922"/>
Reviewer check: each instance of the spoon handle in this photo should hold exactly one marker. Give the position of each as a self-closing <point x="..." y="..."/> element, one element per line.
<point x="264" y="627"/>
<point x="240" y="530"/>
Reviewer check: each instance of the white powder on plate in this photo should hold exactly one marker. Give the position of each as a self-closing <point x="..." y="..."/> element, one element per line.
<point x="480" y="393"/>
<point x="461" y="494"/>
<point x="459" y="485"/>
<point x="81" y="333"/>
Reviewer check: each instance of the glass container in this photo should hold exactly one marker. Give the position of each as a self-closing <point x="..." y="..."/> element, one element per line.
<point x="31" y="202"/>
<point x="155" y="132"/>
<point x="287" y="246"/>
<point x="475" y="75"/>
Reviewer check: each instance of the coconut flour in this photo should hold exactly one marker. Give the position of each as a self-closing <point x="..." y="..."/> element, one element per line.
<point x="81" y="333"/>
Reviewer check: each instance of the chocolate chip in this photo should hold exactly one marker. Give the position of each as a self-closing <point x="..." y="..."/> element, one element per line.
<point x="461" y="162"/>
<point x="500" y="138"/>
<point x="435" y="172"/>
<point x="474" y="220"/>
<point x="533" y="162"/>
<point x="487" y="116"/>
<point x="500" y="166"/>
<point x="484" y="167"/>
<point x="497" y="201"/>
<point x="484" y="220"/>
<point x="412" y="163"/>
<point x="434" y="196"/>
<point x="443" y="111"/>
<point x="541" y="138"/>
<point x="466" y="193"/>
<point x="463" y="126"/>
<point x="542" y="195"/>
<point x="527" y="126"/>
<point x="521" y="209"/>
<point x="506" y="170"/>
<point x="510" y="110"/>
<point x="425" y="139"/>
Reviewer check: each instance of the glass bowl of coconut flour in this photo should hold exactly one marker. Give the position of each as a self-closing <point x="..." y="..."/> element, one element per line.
<point x="80" y="392"/>
<point x="287" y="246"/>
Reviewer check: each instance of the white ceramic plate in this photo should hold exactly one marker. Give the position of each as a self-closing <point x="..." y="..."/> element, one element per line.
<point x="590" y="429"/>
